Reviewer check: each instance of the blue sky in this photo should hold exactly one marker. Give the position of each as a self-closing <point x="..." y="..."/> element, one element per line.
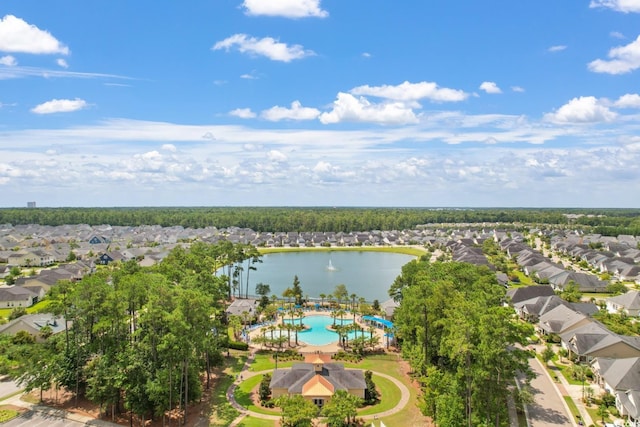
<point x="320" y="103"/>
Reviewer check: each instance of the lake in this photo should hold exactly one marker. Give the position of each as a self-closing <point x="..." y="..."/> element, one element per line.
<point x="366" y="274"/>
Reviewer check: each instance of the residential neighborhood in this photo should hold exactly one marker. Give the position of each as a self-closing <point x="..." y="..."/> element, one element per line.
<point x="34" y="259"/>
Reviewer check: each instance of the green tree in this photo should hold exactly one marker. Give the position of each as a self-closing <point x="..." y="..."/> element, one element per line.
<point x="571" y="292"/>
<point x="341" y="410"/>
<point x="547" y="354"/>
<point x="296" y="411"/>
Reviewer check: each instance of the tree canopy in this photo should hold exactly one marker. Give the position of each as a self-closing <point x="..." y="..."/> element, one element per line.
<point x="459" y="340"/>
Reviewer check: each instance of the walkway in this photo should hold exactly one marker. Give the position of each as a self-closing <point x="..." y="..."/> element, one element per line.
<point x="246" y="374"/>
<point x="45" y="416"/>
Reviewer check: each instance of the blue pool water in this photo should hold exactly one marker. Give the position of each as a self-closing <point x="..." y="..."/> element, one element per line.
<point x="317" y="332"/>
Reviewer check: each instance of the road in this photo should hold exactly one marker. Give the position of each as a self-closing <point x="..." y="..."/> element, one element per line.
<point x="8" y="388"/>
<point x="36" y="419"/>
<point x="548" y="408"/>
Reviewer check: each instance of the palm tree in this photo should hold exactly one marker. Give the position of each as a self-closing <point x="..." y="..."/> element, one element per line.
<point x="272" y="329"/>
<point x="330" y="299"/>
<point x="322" y="297"/>
<point x="353" y="301"/>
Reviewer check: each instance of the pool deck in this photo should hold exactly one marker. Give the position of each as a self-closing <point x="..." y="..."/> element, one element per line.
<point x="307" y="348"/>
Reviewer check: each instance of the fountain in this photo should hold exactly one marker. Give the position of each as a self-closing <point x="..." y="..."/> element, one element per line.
<point x="330" y="267"/>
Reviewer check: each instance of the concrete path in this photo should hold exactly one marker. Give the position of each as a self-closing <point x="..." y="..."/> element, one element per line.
<point x="39" y="415"/>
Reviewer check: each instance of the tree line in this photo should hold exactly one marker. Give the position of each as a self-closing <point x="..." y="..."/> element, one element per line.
<point x="460" y="341"/>
<point x="320" y="219"/>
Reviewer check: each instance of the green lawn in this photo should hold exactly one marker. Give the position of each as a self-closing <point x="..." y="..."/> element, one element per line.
<point x="264" y="361"/>
<point x="389" y="396"/>
<point x="8" y="414"/>
<point x="222" y="413"/>
<point x="36" y="308"/>
<point x="572" y="406"/>
<point x="243" y="396"/>
<point x="250" y="421"/>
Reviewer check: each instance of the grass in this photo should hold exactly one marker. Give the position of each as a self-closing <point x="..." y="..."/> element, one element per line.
<point x="243" y="396"/>
<point x="264" y="361"/>
<point x="222" y="413"/>
<point x="563" y="370"/>
<point x="572" y="406"/>
<point x="8" y="414"/>
<point x="593" y="412"/>
<point x="407" y="250"/>
<point x="389" y="396"/>
<point x="250" y="421"/>
<point x="36" y="308"/>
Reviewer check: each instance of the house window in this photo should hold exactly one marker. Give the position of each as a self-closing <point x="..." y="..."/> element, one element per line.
<point x="318" y="402"/>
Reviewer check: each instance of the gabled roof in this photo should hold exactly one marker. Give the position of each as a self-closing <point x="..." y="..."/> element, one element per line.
<point x="540" y="305"/>
<point x="560" y="319"/>
<point x="525" y="293"/>
<point x="629" y="300"/>
<point x="621" y="374"/>
<point x="34" y="322"/>
<point x="318" y="386"/>
<point x="294" y="379"/>
<point x="16" y="293"/>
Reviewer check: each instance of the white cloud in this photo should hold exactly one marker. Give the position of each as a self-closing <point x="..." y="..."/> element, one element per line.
<point x="276" y="156"/>
<point x="617" y="35"/>
<point x="243" y="113"/>
<point x="20" y="72"/>
<point x="296" y="112"/>
<point x="623" y="59"/>
<point x="60" y="106"/>
<point x="8" y="61"/>
<point x="629" y="100"/>
<point x="586" y="109"/>
<point x="557" y="48"/>
<point x="267" y="46"/>
<point x="625" y="6"/>
<point x="366" y="55"/>
<point x="348" y="108"/>
<point x="285" y="8"/>
<point x="169" y="147"/>
<point x="517" y="88"/>
<point x="490" y="87"/>
<point x="249" y="76"/>
<point x="407" y="91"/>
<point x="16" y="35"/>
<point x="62" y="63"/>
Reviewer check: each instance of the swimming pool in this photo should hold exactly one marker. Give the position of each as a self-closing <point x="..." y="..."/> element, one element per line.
<point x="317" y="332"/>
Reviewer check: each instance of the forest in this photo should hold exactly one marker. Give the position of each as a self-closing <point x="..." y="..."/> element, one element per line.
<point x="137" y="339"/>
<point x="325" y="219"/>
<point x="460" y="341"/>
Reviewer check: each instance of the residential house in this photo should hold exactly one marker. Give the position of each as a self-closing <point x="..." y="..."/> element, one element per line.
<point x="17" y="296"/>
<point x="317" y="380"/>
<point x="593" y="340"/>
<point x="388" y="308"/>
<point x="628" y="303"/>
<point x="560" y="320"/>
<point x="516" y="295"/>
<point x="33" y="323"/>
<point x="621" y="378"/>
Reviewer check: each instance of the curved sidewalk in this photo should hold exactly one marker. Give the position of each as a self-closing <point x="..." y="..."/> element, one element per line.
<point x="245" y="374"/>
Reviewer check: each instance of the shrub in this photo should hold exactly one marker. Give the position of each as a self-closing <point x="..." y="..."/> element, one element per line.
<point x="235" y="345"/>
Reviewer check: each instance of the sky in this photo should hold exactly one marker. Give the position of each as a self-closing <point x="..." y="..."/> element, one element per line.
<point x="320" y="103"/>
